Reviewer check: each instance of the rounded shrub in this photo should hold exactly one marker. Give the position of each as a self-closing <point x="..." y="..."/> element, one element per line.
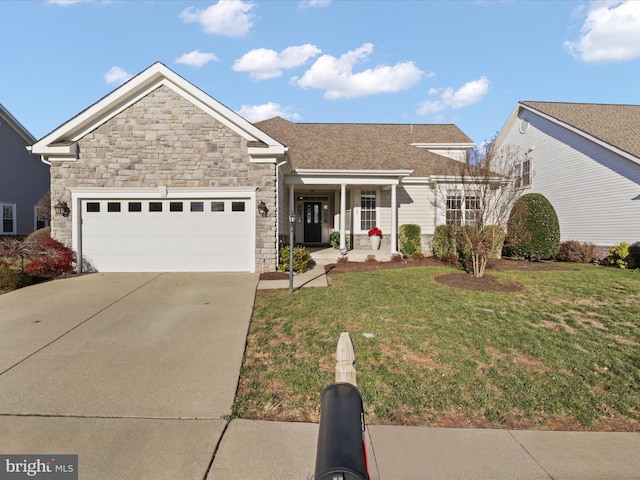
<point x="301" y="259"/>
<point x="634" y="255"/>
<point x="619" y="255"/>
<point x="444" y="243"/>
<point x="533" y="230"/>
<point x="410" y="237"/>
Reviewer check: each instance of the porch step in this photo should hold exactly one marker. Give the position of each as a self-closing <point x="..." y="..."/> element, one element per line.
<point x="331" y="255"/>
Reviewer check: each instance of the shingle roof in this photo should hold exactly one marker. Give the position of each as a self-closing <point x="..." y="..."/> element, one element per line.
<point x="361" y="146"/>
<point x="617" y="125"/>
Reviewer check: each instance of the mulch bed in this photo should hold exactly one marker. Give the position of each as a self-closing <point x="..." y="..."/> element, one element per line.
<point x="460" y="279"/>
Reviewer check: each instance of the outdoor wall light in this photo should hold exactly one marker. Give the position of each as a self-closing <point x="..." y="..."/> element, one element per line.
<point x="61" y="208"/>
<point x="262" y="209"/>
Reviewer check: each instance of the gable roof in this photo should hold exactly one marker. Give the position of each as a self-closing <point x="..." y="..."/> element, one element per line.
<point x="62" y="142"/>
<point x="363" y="146"/>
<point x="616" y="127"/>
<point x="5" y="116"/>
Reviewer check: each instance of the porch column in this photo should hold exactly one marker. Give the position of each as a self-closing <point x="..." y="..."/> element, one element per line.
<point x="343" y="216"/>
<point x="394" y="220"/>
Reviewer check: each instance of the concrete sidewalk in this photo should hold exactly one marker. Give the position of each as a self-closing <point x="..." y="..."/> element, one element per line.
<point x="315" y="277"/>
<point x="277" y="450"/>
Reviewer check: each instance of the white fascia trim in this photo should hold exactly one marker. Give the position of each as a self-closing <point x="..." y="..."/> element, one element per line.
<point x="583" y="134"/>
<point x="358" y="173"/>
<point x="301" y="180"/>
<point x="444" y="146"/>
<point x="157" y="192"/>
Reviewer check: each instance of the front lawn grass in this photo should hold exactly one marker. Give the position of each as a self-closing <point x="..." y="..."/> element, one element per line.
<point x="563" y="353"/>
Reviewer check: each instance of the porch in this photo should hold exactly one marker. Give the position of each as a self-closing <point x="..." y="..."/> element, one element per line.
<point x="327" y="255"/>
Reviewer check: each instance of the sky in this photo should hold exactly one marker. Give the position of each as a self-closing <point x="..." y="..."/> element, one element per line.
<point x="335" y="61"/>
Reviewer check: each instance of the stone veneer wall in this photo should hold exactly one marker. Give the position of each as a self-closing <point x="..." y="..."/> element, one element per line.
<point x="164" y="139"/>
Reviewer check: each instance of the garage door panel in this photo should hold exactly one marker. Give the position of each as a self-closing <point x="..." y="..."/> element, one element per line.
<point x="207" y="239"/>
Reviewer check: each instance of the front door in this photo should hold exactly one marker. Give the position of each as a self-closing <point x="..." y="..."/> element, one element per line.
<point x="312" y="222"/>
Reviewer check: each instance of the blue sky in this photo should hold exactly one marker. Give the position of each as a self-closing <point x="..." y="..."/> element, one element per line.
<point x="458" y="62"/>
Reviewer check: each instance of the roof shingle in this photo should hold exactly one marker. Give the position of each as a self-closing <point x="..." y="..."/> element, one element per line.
<point x="362" y="146"/>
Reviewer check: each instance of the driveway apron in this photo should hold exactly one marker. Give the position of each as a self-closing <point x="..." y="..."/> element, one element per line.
<point x="123" y="369"/>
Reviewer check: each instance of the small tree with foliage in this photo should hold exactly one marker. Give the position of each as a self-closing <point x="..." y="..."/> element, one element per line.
<point x="410" y="236"/>
<point x="533" y="230"/>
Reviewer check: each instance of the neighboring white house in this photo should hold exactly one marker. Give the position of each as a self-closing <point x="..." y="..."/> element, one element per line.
<point x="585" y="158"/>
<point x="159" y="176"/>
<point x="24" y="179"/>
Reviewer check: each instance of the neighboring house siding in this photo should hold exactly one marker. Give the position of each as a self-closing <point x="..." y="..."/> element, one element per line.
<point x="165" y="140"/>
<point x="595" y="192"/>
<point x="24" y="179"/>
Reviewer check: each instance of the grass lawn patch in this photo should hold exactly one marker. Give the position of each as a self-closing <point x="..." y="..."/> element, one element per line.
<point x="560" y="352"/>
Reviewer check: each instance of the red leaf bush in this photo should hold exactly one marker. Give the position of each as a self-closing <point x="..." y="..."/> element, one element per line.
<point x="52" y="259"/>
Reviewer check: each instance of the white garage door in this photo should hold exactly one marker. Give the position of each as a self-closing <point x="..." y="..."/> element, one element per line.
<point x="183" y="235"/>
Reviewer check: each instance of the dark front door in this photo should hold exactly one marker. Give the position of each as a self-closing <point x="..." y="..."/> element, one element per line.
<point x="312" y="222"/>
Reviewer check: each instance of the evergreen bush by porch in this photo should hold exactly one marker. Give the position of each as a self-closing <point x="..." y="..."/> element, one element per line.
<point x="444" y="244"/>
<point x="410" y="237"/>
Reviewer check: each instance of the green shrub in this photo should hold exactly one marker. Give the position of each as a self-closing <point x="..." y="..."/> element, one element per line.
<point x="301" y="259"/>
<point x="533" y="228"/>
<point x="334" y="240"/>
<point x="12" y="278"/>
<point x="444" y="243"/>
<point x="410" y="237"/>
<point x="578" y="252"/>
<point x="634" y="255"/>
<point x="619" y="255"/>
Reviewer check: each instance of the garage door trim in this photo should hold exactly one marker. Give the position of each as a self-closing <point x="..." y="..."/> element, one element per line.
<point x="78" y="195"/>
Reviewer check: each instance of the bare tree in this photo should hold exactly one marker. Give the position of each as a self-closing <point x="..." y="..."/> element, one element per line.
<point x="478" y="196"/>
<point x="44" y="207"/>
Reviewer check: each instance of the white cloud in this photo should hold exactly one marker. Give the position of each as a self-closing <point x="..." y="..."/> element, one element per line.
<point x="263" y="63"/>
<point x="117" y="76"/>
<point x="611" y="32"/>
<point x="256" y="113"/>
<point x="197" y="58"/>
<point x="305" y="4"/>
<point x="336" y="77"/>
<point x="229" y="18"/>
<point x="469" y="94"/>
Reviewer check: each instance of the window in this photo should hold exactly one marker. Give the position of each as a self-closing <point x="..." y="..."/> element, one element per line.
<point x="8" y="219"/>
<point x="135" y="206"/>
<point x="175" y="206"/>
<point x="523" y="174"/>
<point x="197" y="206"/>
<point x="237" y="206"/>
<point x="155" y="206"/>
<point x="454" y="209"/>
<point x="113" y="206"/>
<point x="42" y="218"/>
<point x="367" y="209"/>
<point x="93" y="207"/>
<point x="462" y="210"/>
<point x="217" y="206"/>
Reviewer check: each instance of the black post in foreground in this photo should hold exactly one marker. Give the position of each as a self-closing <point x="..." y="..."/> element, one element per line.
<point x="341" y="450"/>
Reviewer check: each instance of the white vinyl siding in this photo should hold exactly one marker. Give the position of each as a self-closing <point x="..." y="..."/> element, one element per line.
<point x="595" y="192"/>
<point x="416" y="205"/>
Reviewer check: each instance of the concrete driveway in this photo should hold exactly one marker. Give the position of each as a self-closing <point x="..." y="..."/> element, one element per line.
<point x="132" y="372"/>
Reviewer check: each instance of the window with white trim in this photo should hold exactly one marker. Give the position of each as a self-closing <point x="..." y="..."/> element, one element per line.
<point x="8" y="219"/>
<point x="367" y="209"/>
<point x="523" y="174"/>
<point x="462" y="210"/>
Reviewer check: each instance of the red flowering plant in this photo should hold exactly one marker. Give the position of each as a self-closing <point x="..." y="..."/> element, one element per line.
<point x="375" y="231"/>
